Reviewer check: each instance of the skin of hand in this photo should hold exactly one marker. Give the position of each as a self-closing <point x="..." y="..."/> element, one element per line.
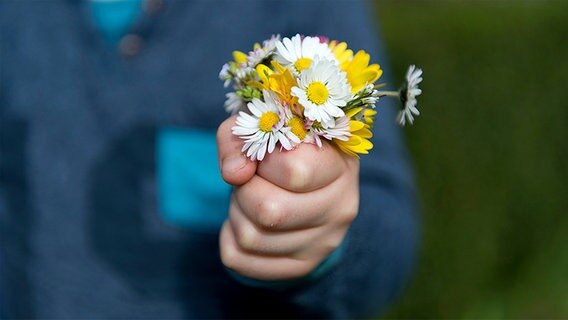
<point x="289" y="211"/>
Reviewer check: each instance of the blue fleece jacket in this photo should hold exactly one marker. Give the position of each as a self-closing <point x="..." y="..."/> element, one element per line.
<point x="106" y="210"/>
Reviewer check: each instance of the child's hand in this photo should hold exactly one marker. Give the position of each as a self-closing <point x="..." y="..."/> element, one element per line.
<point x="288" y="212"/>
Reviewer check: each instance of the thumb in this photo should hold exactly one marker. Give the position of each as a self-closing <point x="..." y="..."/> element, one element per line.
<point x="236" y="168"/>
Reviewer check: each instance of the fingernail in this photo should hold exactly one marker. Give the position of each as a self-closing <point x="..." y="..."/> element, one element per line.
<point x="234" y="163"/>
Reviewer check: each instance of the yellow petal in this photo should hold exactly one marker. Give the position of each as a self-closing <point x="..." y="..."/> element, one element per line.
<point x="279" y="68"/>
<point x="360" y="60"/>
<point x="347" y="151"/>
<point x="351" y="113"/>
<point x="364" y="133"/>
<point x="263" y="72"/>
<point x="239" y="57"/>
<point x="355" y="125"/>
<point x="353" y="141"/>
<point x="365" y="144"/>
<point x="370" y="112"/>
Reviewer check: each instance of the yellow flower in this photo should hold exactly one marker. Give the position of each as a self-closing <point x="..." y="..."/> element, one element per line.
<point x="367" y="116"/>
<point x="240" y="57"/>
<point x="280" y="81"/>
<point x="359" y="72"/>
<point x="341" y="53"/>
<point x="358" y="141"/>
<point x="264" y="73"/>
<point x="297" y="127"/>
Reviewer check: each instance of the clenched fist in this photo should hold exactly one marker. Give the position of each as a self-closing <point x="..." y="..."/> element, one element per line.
<point x="287" y="212"/>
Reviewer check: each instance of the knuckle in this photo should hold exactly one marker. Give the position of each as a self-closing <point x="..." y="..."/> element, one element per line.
<point x="350" y="210"/>
<point x="350" y="214"/>
<point x="346" y="217"/>
<point x="246" y="237"/>
<point x="270" y="214"/>
<point x="229" y="257"/>
<point x="335" y="242"/>
<point x="299" y="175"/>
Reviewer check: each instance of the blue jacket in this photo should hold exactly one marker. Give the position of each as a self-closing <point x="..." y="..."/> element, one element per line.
<point x="107" y="211"/>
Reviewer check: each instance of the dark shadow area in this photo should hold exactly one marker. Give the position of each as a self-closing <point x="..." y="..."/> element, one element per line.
<point x="156" y="267"/>
<point x="16" y="222"/>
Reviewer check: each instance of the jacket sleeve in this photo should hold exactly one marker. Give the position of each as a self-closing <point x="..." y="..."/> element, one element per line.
<point x="378" y="254"/>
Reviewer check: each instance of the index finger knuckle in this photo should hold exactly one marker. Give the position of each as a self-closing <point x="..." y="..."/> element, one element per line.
<point x="247" y="237"/>
<point x="270" y="214"/>
<point x="298" y="175"/>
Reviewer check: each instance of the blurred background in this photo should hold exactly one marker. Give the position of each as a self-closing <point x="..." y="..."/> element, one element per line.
<point x="490" y="154"/>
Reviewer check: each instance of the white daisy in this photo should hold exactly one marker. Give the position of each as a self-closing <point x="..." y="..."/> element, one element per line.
<point x="295" y="127"/>
<point x="263" y="128"/>
<point x="299" y="53"/>
<point x="340" y="131"/>
<point x="261" y="53"/>
<point x="323" y="90"/>
<point x="408" y="94"/>
<point x="234" y="103"/>
<point x="242" y="73"/>
<point x="225" y="75"/>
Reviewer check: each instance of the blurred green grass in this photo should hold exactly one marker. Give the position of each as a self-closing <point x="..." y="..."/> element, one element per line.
<point x="490" y="154"/>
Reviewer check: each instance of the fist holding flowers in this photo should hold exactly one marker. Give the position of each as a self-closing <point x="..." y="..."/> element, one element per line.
<point x="290" y="210"/>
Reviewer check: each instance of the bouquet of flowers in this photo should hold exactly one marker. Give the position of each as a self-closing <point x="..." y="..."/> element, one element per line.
<point x="304" y="89"/>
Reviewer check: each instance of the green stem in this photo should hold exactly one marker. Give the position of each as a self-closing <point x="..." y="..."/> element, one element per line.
<point x="389" y="94"/>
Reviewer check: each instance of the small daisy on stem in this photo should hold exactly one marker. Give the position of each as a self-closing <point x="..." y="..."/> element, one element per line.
<point x="407" y="95"/>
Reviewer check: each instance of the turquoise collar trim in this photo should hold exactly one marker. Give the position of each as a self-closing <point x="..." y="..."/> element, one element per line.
<point x="114" y="18"/>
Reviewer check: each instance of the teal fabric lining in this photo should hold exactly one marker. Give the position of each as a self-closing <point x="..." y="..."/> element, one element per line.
<point x="191" y="191"/>
<point x="114" y="17"/>
<point x="324" y="268"/>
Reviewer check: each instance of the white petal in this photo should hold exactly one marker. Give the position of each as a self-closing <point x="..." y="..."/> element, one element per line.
<point x="261" y="151"/>
<point x="271" y="143"/>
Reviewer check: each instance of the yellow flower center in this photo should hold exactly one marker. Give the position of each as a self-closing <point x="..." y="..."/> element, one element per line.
<point x="302" y="64"/>
<point x="297" y="127"/>
<point x="317" y="93"/>
<point x="267" y="121"/>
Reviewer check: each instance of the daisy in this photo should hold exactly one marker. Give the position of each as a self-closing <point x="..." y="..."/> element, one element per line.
<point x="313" y="136"/>
<point x="297" y="127"/>
<point x="260" y="54"/>
<point x="242" y="74"/>
<point x="234" y="103"/>
<point x="299" y="53"/>
<point x="263" y="128"/>
<point x="408" y="94"/>
<point x="339" y="131"/>
<point x="322" y="90"/>
<point x="225" y="75"/>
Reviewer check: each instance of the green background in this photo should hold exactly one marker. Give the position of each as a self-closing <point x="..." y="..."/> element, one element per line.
<point x="490" y="154"/>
